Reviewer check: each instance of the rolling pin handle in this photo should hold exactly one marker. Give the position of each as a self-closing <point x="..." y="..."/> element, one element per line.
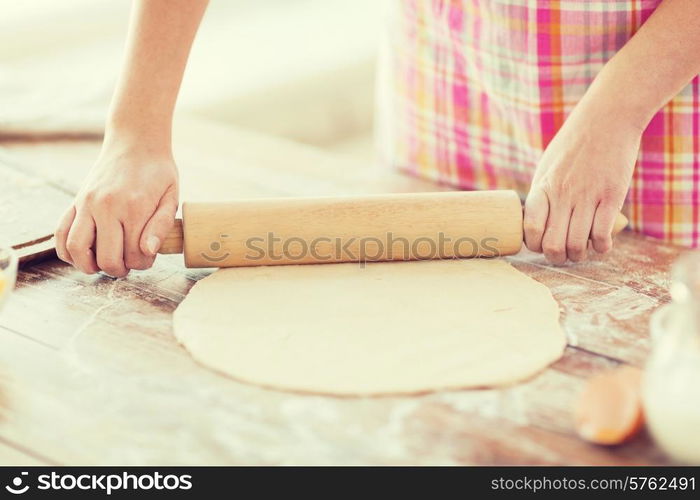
<point x="620" y="223"/>
<point x="173" y="242"/>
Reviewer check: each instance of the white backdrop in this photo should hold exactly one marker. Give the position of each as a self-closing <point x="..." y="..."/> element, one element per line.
<point x="302" y="69"/>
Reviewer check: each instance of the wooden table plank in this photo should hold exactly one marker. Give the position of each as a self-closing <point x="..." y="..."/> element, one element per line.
<point x="29" y="206"/>
<point x="12" y="456"/>
<point x="128" y="334"/>
<point x="92" y="374"/>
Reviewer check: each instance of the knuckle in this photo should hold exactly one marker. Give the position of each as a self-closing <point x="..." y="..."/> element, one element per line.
<point x="552" y="249"/>
<point x="89" y="197"/>
<point x="60" y="233"/>
<point x="111" y="267"/>
<point x="133" y="212"/>
<point x="62" y="255"/>
<point x="107" y="199"/>
<point x="576" y="251"/>
<point x="115" y="272"/>
<point x="72" y="246"/>
<point x="134" y="205"/>
<point x="137" y="262"/>
<point x="162" y="223"/>
<point x="564" y="189"/>
<point x="534" y="199"/>
<point x="532" y="245"/>
<point x="532" y="225"/>
<point x="558" y="189"/>
<point x="101" y="199"/>
<point x="603" y="245"/>
<point x="86" y="269"/>
<point x="555" y="259"/>
<point x="575" y="248"/>
<point x="611" y="195"/>
<point x="532" y="231"/>
<point x="135" y="199"/>
<point x="599" y="235"/>
<point x="548" y="187"/>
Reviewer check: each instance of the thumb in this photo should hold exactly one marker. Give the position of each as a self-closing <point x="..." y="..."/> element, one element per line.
<point x="159" y="224"/>
<point x="535" y="218"/>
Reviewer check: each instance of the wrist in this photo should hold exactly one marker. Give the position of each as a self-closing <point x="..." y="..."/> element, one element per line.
<point x="610" y="112"/>
<point x="619" y="100"/>
<point x="151" y="138"/>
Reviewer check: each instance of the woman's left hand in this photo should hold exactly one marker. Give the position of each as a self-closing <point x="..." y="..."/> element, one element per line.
<point x="580" y="185"/>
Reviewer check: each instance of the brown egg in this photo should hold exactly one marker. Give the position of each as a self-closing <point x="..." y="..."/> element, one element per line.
<point x="609" y="410"/>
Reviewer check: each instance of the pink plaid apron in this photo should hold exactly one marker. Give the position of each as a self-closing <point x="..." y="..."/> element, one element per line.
<point x="472" y="91"/>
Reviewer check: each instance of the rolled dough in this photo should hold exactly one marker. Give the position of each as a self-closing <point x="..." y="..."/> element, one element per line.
<point x="387" y="328"/>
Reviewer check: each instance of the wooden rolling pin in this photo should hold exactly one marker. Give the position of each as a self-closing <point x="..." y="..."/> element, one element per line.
<point x="362" y="228"/>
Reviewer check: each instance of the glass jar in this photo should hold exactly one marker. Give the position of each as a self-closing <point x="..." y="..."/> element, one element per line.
<point x="8" y="273"/>
<point x="672" y="379"/>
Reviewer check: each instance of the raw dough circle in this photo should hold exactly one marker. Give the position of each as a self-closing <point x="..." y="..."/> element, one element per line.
<point x="387" y="328"/>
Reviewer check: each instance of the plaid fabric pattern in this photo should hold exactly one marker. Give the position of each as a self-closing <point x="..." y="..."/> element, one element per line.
<point x="472" y="91"/>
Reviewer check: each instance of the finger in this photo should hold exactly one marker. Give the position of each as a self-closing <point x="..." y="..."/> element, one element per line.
<point x="61" y="234"/>
<point x="133" y="226"/>
<point x="579" y="231"/>
<point x="603" y="222"/>
<point x="81" y="238"/>
<point x="110" y="247"/>
<point x="535" y="218"/>
<point x="160" y="223"/>
<point x="134" y="258"/>
<point x="138" y="212"/>
<point x="554" y="239"/>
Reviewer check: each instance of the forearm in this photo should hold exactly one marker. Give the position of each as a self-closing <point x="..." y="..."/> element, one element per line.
<point x="158" y="44"/>
<point x="654" y="65"/>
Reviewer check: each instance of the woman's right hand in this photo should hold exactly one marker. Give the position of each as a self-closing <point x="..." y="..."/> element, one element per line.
<point x="122" y="213"/>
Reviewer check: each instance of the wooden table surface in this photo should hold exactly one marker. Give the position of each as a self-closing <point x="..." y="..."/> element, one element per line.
<point x="90" y="372"/>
